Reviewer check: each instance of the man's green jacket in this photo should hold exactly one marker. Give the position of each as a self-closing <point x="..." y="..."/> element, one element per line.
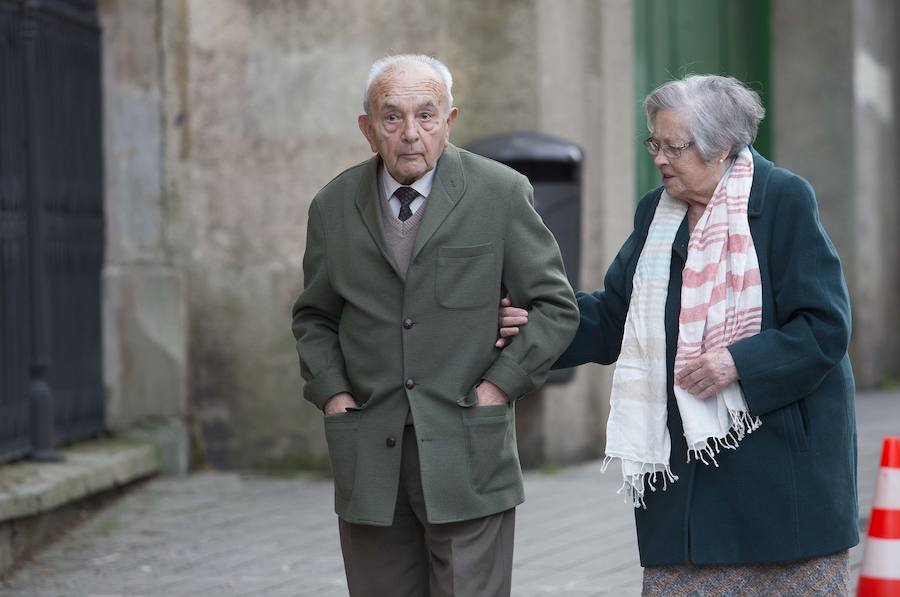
<point x="422" y="341"/>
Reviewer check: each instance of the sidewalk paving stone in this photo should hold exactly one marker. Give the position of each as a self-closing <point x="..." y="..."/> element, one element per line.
<point x="231" y="535"/>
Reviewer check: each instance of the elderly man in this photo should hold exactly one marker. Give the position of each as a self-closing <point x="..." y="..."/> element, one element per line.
<point x="407" y="255"/>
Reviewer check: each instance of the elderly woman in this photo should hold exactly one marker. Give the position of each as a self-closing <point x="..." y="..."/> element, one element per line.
<point x="727" y="315"/>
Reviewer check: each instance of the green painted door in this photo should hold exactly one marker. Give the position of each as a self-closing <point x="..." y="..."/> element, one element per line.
<point x="678" y="37"/>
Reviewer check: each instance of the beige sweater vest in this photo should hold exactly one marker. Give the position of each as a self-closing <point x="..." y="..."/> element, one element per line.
<point x="401" y="236"/>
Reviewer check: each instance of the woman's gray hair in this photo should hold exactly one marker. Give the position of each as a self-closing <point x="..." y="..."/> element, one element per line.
<point x="720" y="113"/>
<point x="388" y="63"/>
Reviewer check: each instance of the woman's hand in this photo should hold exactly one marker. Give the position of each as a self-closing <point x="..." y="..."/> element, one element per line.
<point x="509" y="318"/>
<point x="708" y="373"/>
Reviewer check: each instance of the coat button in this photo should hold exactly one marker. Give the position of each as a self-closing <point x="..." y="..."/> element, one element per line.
<point x="410" y="383"/>
<point x="390" y="442"/>
<point x="408" y="323"/>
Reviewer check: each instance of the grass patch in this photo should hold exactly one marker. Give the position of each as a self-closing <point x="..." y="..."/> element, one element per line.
<point x="293" y="467"/>
<point x="108" y="526"/>
<point x="548" y="468"/>
<point x="889" y="382"/>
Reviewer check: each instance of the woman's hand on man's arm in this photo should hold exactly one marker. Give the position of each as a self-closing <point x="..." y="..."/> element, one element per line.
<point x="509" y="319"/>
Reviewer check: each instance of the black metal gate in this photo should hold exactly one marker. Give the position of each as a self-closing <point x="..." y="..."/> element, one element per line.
<point x="51" y="225"/>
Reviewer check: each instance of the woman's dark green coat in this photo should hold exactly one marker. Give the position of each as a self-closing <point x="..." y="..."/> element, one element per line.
<point x="789" y="491"/>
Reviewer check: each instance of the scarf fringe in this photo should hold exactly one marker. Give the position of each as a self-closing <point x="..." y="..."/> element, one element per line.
<point x="634" y="485"/>
<point x="741" y="424"/>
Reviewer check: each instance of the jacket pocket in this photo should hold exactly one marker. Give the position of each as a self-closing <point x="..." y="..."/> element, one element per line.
<point x="466" y="277"/>
<point x="340" y="434"/>
<point x="796" y="427"/>
<point x="491" y="447"/>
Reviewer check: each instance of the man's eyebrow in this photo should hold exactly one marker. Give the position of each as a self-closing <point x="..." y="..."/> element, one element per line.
<point x="389" y="106"/>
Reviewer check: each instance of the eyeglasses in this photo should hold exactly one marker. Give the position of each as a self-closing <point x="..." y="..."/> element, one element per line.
<point x="673" y="152"/>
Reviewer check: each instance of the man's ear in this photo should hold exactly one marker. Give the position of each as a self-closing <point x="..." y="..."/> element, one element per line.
<point x="451" y="118"/>
<point x="366" y="130"/>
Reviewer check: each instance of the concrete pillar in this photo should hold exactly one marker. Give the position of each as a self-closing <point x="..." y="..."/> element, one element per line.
<point x="876" y="288"/>
<point x="834" y="80"/>
<point x="586" y="95"/>
<point x="144" y="326"/>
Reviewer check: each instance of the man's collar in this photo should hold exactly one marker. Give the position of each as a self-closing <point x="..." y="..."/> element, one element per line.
<point x="423" y="185"/>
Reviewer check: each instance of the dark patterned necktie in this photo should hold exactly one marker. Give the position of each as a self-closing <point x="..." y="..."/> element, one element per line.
<point x="406" y="195"/>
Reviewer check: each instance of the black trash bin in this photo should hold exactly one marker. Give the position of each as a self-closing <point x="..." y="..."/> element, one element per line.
<point x="553" y="166"/>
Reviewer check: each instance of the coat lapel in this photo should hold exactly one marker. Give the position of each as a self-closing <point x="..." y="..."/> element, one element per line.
<point x="682" y="236"/>
<point x="449" y="185"/>
<point x="367" y="197"/>
<point x="762" y="168"/>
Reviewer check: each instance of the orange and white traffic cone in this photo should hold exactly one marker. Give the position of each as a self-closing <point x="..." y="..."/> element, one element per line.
<point x="880" y="573"/>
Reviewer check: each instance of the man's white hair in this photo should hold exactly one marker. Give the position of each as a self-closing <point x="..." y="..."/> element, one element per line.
<point x="388" y="63"/>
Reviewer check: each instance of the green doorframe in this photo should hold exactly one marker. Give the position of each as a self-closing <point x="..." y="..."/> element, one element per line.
<point x="677" y="37"/>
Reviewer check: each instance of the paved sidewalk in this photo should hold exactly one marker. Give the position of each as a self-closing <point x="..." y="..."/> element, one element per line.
<point x="231" y="535"/>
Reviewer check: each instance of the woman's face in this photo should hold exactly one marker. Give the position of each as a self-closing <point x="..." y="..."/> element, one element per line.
<point x="686" y="177"/>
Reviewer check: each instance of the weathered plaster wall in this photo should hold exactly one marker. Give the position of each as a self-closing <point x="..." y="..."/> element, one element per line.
<point x="259" y="111"/>
<point x="261" y="100"/>
<point x="224" y="117"/>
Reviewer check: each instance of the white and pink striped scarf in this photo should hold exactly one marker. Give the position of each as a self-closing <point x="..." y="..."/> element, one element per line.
<point x="721" y="302"/>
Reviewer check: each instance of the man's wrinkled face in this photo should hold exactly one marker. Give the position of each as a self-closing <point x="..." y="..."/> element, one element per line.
<point x="409" y="120"/>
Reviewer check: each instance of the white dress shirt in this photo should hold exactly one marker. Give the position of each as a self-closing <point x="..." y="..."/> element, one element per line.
<point x="389" y="185"/>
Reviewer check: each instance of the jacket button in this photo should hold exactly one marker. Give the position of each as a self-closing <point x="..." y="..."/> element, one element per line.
<point x="408" y="323"/>
<point x="390" y="442"/>
<point x="410" y="383"/>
